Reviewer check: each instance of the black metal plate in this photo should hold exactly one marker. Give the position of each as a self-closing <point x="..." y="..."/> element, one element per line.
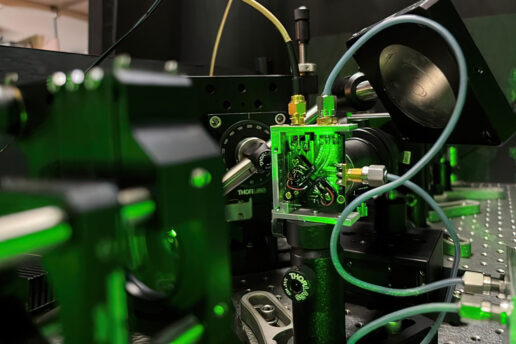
<point x="487" y="117"/>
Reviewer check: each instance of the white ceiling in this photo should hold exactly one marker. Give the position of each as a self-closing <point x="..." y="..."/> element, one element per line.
<point x="80" y="6"/>
<point x="74" y="8"/>
<point x="22" y="19"/>
<point x="77" y="5"/>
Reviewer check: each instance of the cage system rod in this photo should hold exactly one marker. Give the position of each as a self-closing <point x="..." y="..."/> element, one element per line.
<point x="28" y="222"/>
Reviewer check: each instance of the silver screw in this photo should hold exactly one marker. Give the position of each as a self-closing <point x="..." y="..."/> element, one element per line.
<point x="74" y="80"/>
<point x="280" y="118"/>
<point x="171" y="66"/>
<point x="122" y="61"/>
<point x="77" y="76"/>
<point x="268" y="312"/>
<point x="215" y="122"/>
<point x="59" y="78"/>
<point x="11" y="78"/>
<point x="56" y="81"/>
<point x="94" y="78"/>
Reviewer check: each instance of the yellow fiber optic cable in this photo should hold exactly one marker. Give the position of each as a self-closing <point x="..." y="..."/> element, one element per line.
<point x="219" y="36"/>
<point x="260" y="8"/>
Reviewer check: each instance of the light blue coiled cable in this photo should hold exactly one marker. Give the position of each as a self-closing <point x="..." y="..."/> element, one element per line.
<point x="434" y="150"/>
<point x="402" y="314"/>
<point x="453" y="234"/>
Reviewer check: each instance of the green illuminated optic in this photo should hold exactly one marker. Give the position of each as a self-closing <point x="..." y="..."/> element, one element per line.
<point x="453" y="177"/>
<point x="171" y="236"/>
<point x="476" y="313"/>
<point x="407" y="157"/>
<point x="138" y="210"/>
<point x="191" y="336"/>
<point x="219" y="310"/>
<point x="34" y="242"/>
<point x="200" y="178"/>
<point x="394" y="327"/>
<point x="453" y="156"/>
<point x="117" y="307"/>
<point x="504" y="318"/>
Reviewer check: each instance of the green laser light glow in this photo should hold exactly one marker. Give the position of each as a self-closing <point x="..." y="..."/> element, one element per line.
<point x="138" y="210"/>
<point x="394" y="327"/>
<point x="191" y="336"/>
<point x="219" y="310"/>
<point x="35" y="241"/>
<point x="171" y="236"/>
<point x="200" y="178"/>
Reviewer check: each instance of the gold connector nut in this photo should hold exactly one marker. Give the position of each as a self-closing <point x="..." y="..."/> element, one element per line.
<point x="297" y="109"/>
<point x="373" y="175"/>
<point x="326" y="120"/>
<point x="327" y="106"/>
<point x="354" y="175"/>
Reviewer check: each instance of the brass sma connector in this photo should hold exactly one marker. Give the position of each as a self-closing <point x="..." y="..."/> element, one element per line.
<point x="373" y="175"/>
<point x="297" y="109"/>
<point x="327" y="105"/>
<point x="354" y="175"/>
<point x="326" y="120"/>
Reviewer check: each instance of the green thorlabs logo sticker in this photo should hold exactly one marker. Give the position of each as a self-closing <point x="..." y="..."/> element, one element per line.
<point x="296" y="286"/>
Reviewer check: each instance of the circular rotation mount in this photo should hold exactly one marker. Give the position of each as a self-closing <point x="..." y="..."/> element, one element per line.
<point x="231" y="139"/>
